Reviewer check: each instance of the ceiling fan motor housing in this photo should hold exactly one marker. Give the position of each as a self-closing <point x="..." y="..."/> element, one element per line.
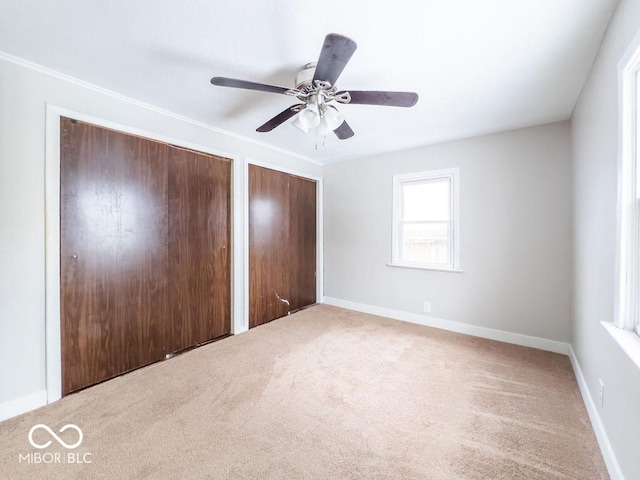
<point x="304" y="78"/>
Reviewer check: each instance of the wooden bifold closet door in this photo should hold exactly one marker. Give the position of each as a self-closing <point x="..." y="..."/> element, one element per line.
<point x="144" y="251"/>
<point x="199" y="248"/>
<point x="282" y="244"/>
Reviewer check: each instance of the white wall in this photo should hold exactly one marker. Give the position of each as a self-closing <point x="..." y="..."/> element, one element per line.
<point x="515" y="242"/>
<point x="24" y="92"/>
<point x="595" y="136"/>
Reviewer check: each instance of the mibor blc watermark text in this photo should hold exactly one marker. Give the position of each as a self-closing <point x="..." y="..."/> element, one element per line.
<point x="68" y="458"/>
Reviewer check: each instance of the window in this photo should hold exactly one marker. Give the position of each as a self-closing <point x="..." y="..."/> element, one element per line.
<point x="628" y="282"/>
<point x="425" y="220"/>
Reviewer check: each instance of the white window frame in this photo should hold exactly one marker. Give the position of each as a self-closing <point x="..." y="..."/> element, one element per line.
<point x="627" y="314"/>
<point x="453" y="175"/>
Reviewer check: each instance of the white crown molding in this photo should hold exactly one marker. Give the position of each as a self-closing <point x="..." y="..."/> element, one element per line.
<point x="90" y="86"/>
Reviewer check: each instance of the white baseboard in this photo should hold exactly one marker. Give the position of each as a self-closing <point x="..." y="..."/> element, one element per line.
<point x="483" y="332"/>
<point x="603" y="440"/>
<point x="21" y="405"/>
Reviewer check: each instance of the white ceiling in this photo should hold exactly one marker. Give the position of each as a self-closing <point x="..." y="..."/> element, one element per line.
<point x="478" y="66"/>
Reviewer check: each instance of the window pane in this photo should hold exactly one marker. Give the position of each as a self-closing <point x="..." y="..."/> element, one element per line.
<point x="427" y="200"/>
<point x="425" y="242"/>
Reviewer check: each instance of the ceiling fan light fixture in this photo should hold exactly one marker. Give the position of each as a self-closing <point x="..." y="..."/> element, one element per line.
<point x="332" y="118"/>
<point x="310" y="116"/>
<point x="298" y="124"/>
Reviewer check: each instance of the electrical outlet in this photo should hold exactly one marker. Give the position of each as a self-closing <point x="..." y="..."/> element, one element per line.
<point x="426" y="306"/>
<point x="601" y="392"/>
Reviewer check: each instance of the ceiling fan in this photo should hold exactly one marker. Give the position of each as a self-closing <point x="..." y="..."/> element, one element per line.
<point x="316" y="89"/>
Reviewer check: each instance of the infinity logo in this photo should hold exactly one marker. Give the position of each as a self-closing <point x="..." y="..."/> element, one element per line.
<point x="58" y="439"/>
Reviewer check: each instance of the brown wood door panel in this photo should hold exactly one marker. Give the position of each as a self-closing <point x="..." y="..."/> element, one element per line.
<point x="85" y="303"/>
<point x="199" y="247"/>
<point x="132" y="289"/>
<point x="268" y="240"/>
<point x="282" y="244"/>
<point x="141" y="262"/>
<point x="302" y="242"/>
<point x="113" y="253"/>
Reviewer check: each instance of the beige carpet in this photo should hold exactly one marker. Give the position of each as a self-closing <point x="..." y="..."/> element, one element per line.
<point x="324" y="394"/>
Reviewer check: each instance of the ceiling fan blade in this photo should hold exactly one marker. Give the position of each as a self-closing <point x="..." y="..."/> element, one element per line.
<point x="280" y="118"/>
<point x="344" y="131"/>
<point x="336" y="52"/>
<point x="391" y="99"/>
<point x="235" y="83"/>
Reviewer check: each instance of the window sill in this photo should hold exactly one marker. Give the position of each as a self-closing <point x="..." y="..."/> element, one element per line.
<point x="629" y="341"/>
<point x="419" y="267"/>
